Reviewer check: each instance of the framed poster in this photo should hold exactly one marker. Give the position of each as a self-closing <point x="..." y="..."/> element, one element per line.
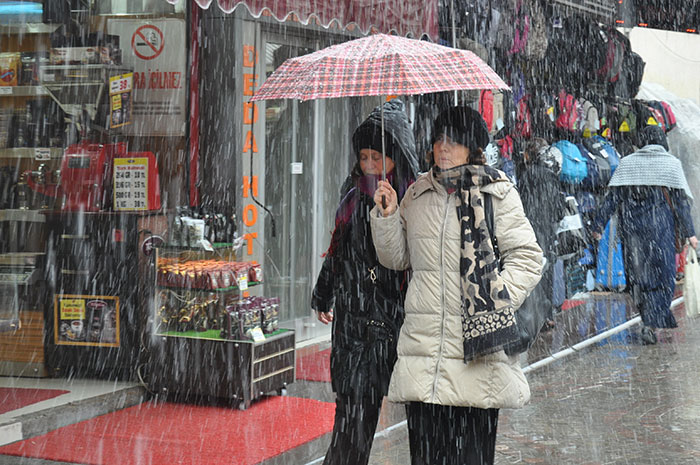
<point x="86" y="320"/>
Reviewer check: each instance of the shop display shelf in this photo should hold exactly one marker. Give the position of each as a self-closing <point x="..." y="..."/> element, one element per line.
<point x="214" y="245"/>
<point x="195" y="289"/>
<point x="32" y="216"/>
<point x="215" y="335"/>
<point x="28" y="28"/>
<point x="23" y="91"/>
<point x="33" y="153"/>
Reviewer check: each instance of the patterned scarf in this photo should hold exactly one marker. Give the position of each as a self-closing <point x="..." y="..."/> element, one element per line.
<point x="488" y="318"/>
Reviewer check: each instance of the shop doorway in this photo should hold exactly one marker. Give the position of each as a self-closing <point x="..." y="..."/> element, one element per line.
<point x="306" y="162"/>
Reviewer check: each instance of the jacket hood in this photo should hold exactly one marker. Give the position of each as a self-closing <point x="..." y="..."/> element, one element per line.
<point x="399" y="140"/>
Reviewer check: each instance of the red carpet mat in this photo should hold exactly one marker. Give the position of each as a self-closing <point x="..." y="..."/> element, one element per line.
<point x="169" y="434"/>
<point x="315" y="366"/>
<point x="14" y="398"/>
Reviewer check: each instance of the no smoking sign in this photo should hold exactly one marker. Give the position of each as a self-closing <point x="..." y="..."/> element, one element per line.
<point x="147" y="42"/>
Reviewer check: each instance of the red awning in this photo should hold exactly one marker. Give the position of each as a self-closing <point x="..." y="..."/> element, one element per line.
<point x="414" y="17"/>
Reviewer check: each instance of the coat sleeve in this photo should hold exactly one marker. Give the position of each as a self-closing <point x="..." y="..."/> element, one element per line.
<point x="681" y="213"/>
<point x="389" y="236"/>
<point x="323" y="296"/>
<point x="521" y="256"/>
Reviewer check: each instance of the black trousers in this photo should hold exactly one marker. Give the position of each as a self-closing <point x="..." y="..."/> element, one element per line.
<point x="446" y="435"/>
<point x="353" y="431"/>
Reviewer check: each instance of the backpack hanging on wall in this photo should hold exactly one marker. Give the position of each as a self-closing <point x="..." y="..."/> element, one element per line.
<point x="573" y="169"/>
<point x="599" y="171"/>
<point x="616" y="46"/>
<point x="591" y="121"/>
<point x="523" y="119"/>
<point x="627" y="86"/>
<point x="492" y="109"/>
<point x="671" y="117"/>
<point x="600" y="147"/>
<point x="568" y="112"/>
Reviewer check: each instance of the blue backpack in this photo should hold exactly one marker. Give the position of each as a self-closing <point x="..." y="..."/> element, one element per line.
<point x="610" y="266"/>
<point x="573" y="169"/>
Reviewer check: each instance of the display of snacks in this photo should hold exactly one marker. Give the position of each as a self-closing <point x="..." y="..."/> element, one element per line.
<point x="206" y="274"/>
<point x="188" y="311"/>
<point x="240" y="319"/>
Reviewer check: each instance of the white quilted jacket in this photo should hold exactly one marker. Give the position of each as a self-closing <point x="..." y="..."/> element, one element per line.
<point x="424" y="236"/>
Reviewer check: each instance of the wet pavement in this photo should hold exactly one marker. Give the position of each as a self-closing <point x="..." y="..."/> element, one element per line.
<point x="617" y="402"/>
<point x="614" y="402"/>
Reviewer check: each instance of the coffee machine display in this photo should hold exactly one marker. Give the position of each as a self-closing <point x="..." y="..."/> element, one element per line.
<point x="93" y="178"/>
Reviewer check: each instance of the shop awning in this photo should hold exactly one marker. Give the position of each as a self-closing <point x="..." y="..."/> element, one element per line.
<point x="414" y="17"/>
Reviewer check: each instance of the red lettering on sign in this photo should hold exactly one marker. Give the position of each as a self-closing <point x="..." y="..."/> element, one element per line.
<point x="250" y="56"/>
<point x="247" y="186"/>
<point x="248" y="109"/>
<point x="250" y="143"/>
<point x="249" y="83"/>
<point x="249" y="240"/>
<point x="250" y="215"/>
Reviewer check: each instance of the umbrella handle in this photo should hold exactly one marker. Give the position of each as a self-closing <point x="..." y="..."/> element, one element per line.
<point x="384" y="202"/>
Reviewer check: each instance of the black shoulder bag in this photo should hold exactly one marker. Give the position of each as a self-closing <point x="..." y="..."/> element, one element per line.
<point x="531" y="315"/>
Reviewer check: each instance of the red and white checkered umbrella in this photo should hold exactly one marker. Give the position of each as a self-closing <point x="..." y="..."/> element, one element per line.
<point x="379" y="64"/>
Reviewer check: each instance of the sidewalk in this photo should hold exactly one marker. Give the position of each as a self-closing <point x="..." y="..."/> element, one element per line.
<point x="614" y="403"/>
<point x="543" y="441"/>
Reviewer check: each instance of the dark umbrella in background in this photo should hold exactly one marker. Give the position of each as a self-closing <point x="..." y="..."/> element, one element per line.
<point x="379" y="65"/>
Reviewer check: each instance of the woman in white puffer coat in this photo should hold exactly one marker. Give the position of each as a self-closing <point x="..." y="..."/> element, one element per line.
<point x="452" y="371"/>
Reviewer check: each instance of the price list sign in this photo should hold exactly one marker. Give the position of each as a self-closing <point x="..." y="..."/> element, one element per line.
<point x="130" y="184"/>
<point x="120" y="88"/>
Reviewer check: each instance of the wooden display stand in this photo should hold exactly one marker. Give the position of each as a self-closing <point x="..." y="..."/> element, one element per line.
<point x="192" y="361"/>
<point x="202" y="368"/>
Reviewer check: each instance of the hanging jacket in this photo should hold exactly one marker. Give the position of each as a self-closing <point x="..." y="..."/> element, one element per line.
<point x="543" y="203"/>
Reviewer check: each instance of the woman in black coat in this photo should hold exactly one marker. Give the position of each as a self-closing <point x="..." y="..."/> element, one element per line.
<point x="362" y="299"/>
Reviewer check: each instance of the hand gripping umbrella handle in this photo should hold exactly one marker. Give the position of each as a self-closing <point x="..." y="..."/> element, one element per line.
<point x="383" y="154"/>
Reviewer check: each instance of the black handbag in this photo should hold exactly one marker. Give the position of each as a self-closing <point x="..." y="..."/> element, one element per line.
<point x="532" y="314"/>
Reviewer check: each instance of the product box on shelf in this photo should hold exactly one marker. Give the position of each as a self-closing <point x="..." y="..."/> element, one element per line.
<point x="9" y="68"/>
<point x="242" y="319"/>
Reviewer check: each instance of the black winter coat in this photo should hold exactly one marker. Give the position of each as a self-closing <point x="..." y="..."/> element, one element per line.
<point x="367" y="300"/>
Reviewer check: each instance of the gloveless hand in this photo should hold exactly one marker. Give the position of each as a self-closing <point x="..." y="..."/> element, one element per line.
<point x="384" y="190"/>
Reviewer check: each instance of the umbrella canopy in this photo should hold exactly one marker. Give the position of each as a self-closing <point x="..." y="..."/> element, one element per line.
<point x="379" y="64"/>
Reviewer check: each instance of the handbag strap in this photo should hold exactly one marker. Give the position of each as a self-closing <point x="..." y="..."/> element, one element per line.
<point x="488" y="213"/>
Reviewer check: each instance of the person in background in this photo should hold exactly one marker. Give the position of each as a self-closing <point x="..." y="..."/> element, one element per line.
<point x="650" y="193"/>
<point x="544" y="206"/>
<point x="361" y="298"/>
<point x="452" y="371"/>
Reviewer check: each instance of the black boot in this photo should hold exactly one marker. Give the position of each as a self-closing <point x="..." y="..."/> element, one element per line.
<point x="647" y="336"/>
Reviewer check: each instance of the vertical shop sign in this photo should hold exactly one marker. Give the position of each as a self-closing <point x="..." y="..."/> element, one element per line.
<point x="250" y="117"/>
<point x="120" y="88"/>
<point x="86" y="320"/>
<point x="130" y="184"/>
<point x="157" y="52"/>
